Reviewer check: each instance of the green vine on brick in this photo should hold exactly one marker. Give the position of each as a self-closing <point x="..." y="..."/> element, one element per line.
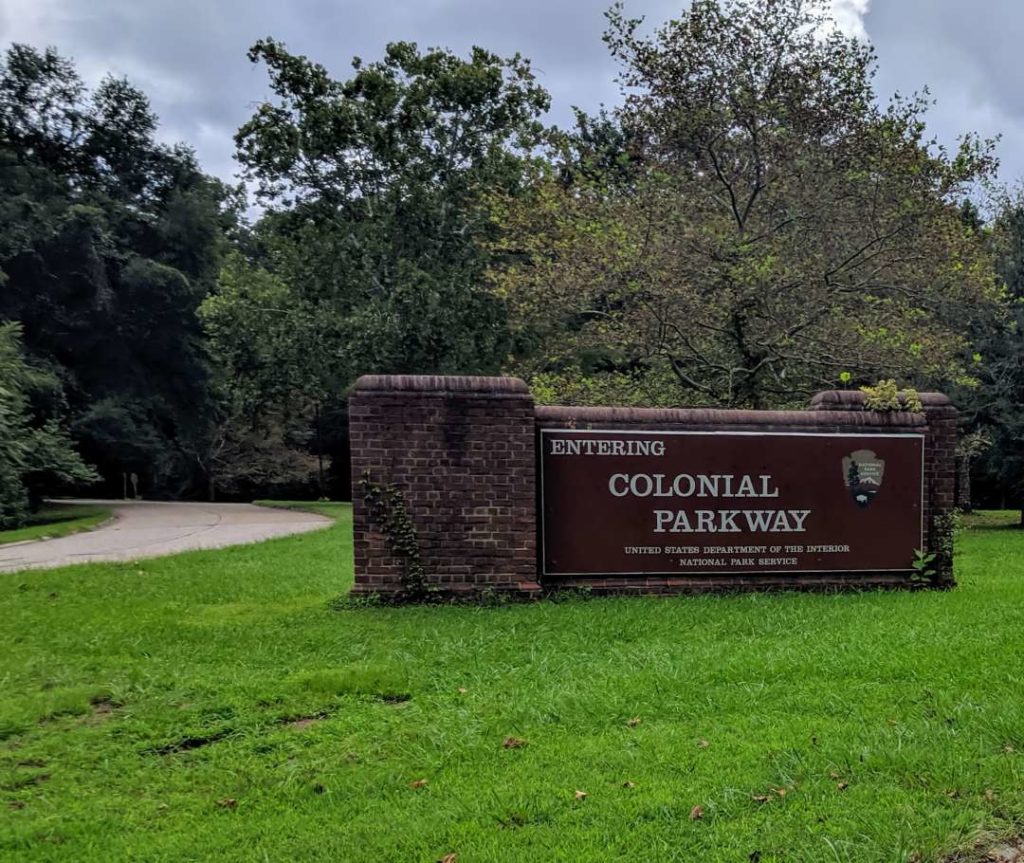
<point x="935" y="568"/>
<point x="386" y="506"/>
<point x="887" y="397"/>
<point x="944" y="531"/>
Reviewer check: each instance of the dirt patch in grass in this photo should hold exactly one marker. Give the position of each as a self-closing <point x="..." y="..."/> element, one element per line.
<point x="102" y="710"/>
<point x="186" y="744"/>
<point x="301" y="722"/>
<point x="27" y="782"/>
<point x="1007" y="851"/>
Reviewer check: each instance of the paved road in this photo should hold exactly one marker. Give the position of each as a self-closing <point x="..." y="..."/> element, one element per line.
<point x="148" y="529"/>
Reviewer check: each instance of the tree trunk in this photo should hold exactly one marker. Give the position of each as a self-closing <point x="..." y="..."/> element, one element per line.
<point x="319" y="455"/>
<point x="963" y="483"/>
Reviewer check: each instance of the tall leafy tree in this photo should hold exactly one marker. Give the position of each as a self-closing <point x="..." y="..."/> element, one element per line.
<point x="778" y="228"/>
<point x="36" y="453"/>
<point x="993" y="411"/>
<point x="108" y="243"/>
<point x="373" y="185"/>
<point x="272" y="377"/>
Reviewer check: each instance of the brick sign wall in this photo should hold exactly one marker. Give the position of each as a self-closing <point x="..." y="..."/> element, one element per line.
<point x="505" y="496"/>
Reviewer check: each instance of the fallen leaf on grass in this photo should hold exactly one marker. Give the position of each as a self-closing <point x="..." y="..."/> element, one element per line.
<point x="227" y="803"/>
<point x="634" y="722"/>
<point x="781" y="792"/>
<point x="990" y="795"/>
<point x="696" y="813"/>
<point x="419" y="783"/>
<point x="628" y="784"/>
<point x="462" y="691"/>
<point x="760" y="798"/>
<point x="703" y="744"/>
<point x="1008" y="748"/>
<point x="581" y="795"/>
<point x="842" y="786"/>
<point x="449" y="858"/>
<point x="834" y="774"/>
<point x="513" y="743"/>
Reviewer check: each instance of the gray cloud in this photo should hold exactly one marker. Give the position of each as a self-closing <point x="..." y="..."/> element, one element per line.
<point x="966" y="54"/>
<point x="189" y="55"/>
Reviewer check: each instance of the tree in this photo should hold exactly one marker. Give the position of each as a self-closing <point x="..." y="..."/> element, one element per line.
<point x="108" y="243"/>
<point x="993" y="418"/>
<point x="778" y="229"/>
<point x="269" y="351"/>
<point x="373" y="186"/>
<point x="34" y="454"/>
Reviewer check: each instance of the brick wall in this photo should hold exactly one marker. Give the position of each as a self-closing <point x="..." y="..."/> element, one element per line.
<point x="462" y="452"/>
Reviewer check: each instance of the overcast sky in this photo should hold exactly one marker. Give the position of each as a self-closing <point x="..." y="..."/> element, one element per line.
<point x="189" y="55"/>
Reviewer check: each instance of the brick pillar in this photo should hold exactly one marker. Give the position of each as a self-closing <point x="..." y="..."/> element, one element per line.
<point x="460" y="453"/>
<point x="939" y="469"/>
<point x="940" y="480"/>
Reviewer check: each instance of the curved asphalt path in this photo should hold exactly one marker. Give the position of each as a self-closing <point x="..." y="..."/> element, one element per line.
<point x="150" y="529"/>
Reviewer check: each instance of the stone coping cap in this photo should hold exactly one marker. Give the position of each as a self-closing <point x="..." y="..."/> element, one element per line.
<point x="854" y="399"/>
<point x="441" y="384"/>
<point x="717" y="416"/>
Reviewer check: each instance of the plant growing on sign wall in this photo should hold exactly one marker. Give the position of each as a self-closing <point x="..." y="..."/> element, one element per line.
<point x="386" y="507"/>
<point x="886" y="397"/>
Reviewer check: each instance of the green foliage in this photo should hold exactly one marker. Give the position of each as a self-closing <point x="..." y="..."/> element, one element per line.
<point x="943" y="537"/>
<point x="995" y="408"/>
<point x="776" y="226"/>
<point x="385" y="504"/>
<point x="35" y="453"/>
<point x="272" y="373"/>
<point x="373" y="186"/>
<point x="108" y="242"/>
<point x="924" y="566"/>
<point x="887" y="397"/>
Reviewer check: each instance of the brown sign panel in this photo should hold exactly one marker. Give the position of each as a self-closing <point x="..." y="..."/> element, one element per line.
<point x="671" y="503"/>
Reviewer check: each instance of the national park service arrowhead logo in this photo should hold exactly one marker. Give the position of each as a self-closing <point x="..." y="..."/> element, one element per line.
<point x="863" y="472"/>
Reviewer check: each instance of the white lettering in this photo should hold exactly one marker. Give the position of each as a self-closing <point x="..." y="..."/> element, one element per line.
<point x="641" y="481"/>
<point x="746" y="488"/>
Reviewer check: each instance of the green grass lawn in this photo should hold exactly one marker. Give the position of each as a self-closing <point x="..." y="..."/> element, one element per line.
<point x="57" y="519"/>
<point x="213" y="706"/>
